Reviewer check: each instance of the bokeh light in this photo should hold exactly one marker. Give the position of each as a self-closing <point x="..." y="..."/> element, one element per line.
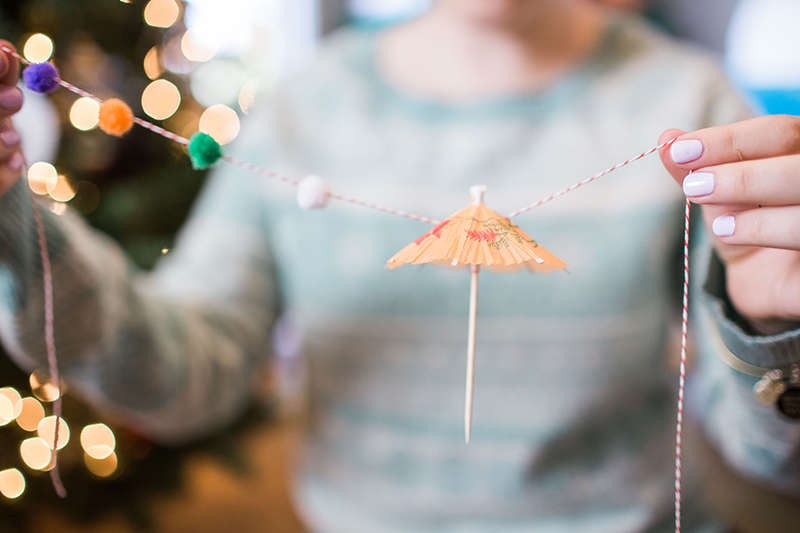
<point x="42" y="177"/>
<point x="221" y="122"/>
<point x="84" y="113"/>
<point x="57" y="208"/>
<point x="247" y="96"/>
<point x="101" y="467"/>
<point x="31" y="413"/>
<point x="63" y="191"/>
<point x="6" y="411"/>
<point x="197" y="48"/>
<point x="14" y="397"/>
<point x="12" y="483"/>
<point x="152" y="64"/>
<point x="38" y="48"/>
<point x="35" y="453"/>
<point x="161" y="13"/>
<point x="161" y="99"/>
<point x="47" y="431"/>
<point x="98" y="441"/>
<point x="42" y="387"/>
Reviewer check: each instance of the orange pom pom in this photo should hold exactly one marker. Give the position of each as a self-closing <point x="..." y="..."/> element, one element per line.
<point x="116" y="118"/>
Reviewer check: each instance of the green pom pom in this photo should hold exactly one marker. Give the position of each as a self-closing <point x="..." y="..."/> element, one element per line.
<point x="204" y="151"/>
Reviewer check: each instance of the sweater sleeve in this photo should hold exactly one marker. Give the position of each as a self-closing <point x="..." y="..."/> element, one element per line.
<point x="173" y="351"/>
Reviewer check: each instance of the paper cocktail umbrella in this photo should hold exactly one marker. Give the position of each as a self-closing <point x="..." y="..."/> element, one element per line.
<point x="477" y="236"/>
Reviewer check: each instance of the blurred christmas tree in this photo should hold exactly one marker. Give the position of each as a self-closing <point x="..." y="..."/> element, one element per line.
<point x="139" y="189"/>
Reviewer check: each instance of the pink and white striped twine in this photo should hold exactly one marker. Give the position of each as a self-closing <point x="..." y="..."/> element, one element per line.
<point x="48" y="282"/>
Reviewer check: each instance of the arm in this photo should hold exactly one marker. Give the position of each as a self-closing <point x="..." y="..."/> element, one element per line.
<point x="172" y="352"/>
<point x="742" y="175"/>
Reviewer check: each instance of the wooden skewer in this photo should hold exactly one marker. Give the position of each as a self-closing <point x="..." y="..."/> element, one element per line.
<point x="473" y="314"/>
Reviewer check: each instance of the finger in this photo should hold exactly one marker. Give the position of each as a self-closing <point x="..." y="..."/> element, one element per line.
<point x="770" y="227"/>
<point x="10" y="171"/>
<point x="677" y="172"/>
<point x="767" y="182"/>
<point x="9" y="66"/>
<point x="758" y="138"/>
<point x="9" y="140"/>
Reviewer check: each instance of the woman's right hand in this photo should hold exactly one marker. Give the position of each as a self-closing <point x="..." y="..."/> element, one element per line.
<point x="10" y="102"/>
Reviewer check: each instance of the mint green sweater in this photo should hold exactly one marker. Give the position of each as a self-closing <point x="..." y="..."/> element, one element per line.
<point x="574" y="399"/>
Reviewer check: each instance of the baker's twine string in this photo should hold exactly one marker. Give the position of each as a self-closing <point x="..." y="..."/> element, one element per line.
<point x="48" y="281"/>
<point x="682" y="381"/>
<point x="50" y="341"/>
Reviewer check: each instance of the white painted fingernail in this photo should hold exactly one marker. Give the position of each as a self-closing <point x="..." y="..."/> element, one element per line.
<point x="686" y="151"/>
<point x="723" y="226"/>
<point x="698" y="184"/>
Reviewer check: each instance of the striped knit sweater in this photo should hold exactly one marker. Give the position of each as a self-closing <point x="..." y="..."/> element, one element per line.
<point x="574" y="396"/>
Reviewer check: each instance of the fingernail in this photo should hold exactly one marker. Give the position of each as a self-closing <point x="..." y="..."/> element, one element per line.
<point x="723" y="226"/>
<point x="15" y="162"/>
<point x="698" y="184"/>
<point x="10" y="98"/>
<point x="9" y="138"/>
<point x="686" y="151"/>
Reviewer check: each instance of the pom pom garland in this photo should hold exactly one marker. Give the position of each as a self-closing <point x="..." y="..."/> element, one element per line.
<point x="313" y="193"/>
<point x="204" y="151"/>
<point x="115" y="118"/>
<point x="41" y="77"/>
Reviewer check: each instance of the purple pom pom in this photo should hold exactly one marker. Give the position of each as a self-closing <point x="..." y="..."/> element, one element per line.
<point x="41" y="77"/>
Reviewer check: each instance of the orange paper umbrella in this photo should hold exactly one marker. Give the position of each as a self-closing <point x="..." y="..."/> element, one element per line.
<point x="476" y="236"/>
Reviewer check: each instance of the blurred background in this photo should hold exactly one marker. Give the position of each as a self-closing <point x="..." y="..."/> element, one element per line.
<point x="201" y="65"/>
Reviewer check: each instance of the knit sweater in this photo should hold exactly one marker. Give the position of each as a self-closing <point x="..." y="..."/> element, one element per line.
<point x="575" y="398"/>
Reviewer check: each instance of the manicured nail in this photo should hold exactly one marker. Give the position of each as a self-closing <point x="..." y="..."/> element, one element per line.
<point x="9" y="138"/>
<point x="15" y="162"/>
<point x="723" y="226"/>
<point x="10" y="98"/>
<point x="698" y="184"/>
<point x="686" y="151"/>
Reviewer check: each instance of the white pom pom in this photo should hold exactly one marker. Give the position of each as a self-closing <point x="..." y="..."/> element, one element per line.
<point x="312" y="193"/>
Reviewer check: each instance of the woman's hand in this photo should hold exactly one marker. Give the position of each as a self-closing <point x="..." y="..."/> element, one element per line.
<point x="10" y="102"/>
<point x="747" y="177"/>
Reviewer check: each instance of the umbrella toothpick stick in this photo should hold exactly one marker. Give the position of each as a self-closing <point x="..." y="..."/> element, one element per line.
<point x="473" y="314"/>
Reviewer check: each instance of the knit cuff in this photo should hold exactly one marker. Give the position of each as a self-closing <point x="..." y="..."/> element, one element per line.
<point x="769" y="351"/>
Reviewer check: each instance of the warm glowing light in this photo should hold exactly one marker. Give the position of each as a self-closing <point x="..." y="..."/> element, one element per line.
<point x="63" y="191"/>
<point x="247" y="96"/>
<point x="12" y="483"/>
<point x="14" y="397"/>
<point x="42" y="177"/>
<point x="84" y="113"/>
<point x="98" y="441"/>
<point x="38" y="48"/>
<point x="161" y="13"/>
<point x="41" y="385"/>
<point x="221" y="122"/>
<point x="31" y="413"/>
<point x="47" y="428"/>
<point x="195" y="48"/>
<point x="101" y="467"/>
<point x="6" y="411"/>
<point x="57" y="208"/>
<point x="164" y="251"/>
<point x="152" y="64"/>
<point x="161" y="99"/>
<point x="35" y="453"/>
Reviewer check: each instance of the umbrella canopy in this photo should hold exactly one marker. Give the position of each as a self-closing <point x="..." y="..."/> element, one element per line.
<point x="477" y="235"/>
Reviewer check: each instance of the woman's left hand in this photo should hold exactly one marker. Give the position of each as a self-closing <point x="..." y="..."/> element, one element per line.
<point x="747" y="177"/>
